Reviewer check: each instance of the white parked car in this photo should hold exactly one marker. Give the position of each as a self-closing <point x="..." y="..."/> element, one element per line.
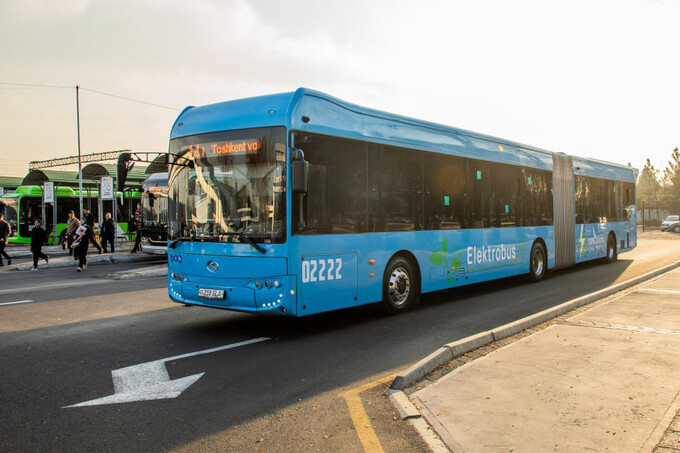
<point x="671" y="223"/>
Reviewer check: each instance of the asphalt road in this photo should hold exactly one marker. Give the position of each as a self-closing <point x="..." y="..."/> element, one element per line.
<point x="60" y="350"/>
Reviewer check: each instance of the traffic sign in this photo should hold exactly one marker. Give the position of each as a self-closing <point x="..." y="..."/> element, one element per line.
<point x="107" y="188"/>
<point x="48" y="192"/>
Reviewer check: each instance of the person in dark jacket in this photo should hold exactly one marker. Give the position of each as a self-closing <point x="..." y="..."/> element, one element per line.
<point x="5" y="229"/>
<point x="89" y="221"/>
<point x="108" y="233"/>
<point x="80" y="246"/>
<point x="38" y="239"/>
<point x="138" y="228"/>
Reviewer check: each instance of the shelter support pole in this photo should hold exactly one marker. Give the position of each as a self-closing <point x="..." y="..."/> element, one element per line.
<point x="80" y="165"/>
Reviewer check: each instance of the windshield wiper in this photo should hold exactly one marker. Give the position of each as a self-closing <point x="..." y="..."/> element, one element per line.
<point x="174" y="243"/>
<point x="243" y="238"/>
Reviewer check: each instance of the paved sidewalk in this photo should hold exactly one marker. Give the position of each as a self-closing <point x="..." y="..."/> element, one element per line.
<point x="60" y="258"/>
<point x="604" y="379"/>
<point x="24" y="251"/>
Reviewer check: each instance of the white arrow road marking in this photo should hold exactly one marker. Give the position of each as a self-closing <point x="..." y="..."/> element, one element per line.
<point x="151" y="381"/>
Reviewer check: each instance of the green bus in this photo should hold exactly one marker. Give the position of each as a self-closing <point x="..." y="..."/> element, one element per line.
<point x="24" y="205"/>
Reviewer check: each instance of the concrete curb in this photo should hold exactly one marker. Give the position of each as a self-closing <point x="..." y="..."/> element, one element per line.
<point x="92" y="259"/>
<point x="452" y="350"/>
<point x="27" y="253"/>
<point x="132" y="275"/>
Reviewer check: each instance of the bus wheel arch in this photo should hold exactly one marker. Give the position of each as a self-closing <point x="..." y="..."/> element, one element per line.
<point x="612" y="252"/>
<point x="401" y="283"/>
<point x="538" y="260"/>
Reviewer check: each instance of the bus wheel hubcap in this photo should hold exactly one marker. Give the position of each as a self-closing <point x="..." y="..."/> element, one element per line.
<point x="538" y="262"/>
<point x="400" y="286"/>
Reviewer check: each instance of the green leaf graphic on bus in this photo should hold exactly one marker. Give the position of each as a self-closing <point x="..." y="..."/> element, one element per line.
<point x="441" y="258"/>
<point x="437" y="258"/>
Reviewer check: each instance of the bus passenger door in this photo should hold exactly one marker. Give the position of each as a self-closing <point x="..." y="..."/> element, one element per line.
<point x="328" y="282"/>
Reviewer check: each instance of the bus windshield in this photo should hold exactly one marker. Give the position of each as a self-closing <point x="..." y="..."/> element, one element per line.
<point x="10" y="211"/>
<point x="227" y="185"/>
<point x="155" y="208"/>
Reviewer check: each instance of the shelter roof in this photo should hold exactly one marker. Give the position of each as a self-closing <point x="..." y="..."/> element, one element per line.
<point x="61" y="177"/>
<point x="97" y="170"/>
<point x="159" y="164"/>
<point x="11" y="182"/>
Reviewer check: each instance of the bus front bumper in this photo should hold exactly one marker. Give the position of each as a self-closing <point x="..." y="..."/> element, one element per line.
<point x="154" y="249"/>
<point x="271" y="295"/>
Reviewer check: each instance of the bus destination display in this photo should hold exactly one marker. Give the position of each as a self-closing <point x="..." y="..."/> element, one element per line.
<point x="246" y="146"/>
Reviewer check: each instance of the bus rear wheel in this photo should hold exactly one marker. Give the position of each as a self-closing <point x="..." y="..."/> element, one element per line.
<point x="611" y="249"/>
<point x="400" y="287"/>
<point x="538" y="262"/>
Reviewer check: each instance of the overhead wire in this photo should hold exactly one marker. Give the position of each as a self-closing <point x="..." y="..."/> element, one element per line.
<point x="129" y="99"/>
<point x="30" y="85"/>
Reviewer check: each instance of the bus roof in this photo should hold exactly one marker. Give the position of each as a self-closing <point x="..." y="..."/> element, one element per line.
<point x="316" y="112"/>
<point x="156" y="180"/>
<point x="36" y="191"/>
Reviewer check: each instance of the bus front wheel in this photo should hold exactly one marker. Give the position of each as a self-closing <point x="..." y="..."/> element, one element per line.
<point x="538" y="262"/>
<point x="400" y="287"/>
<point x="611" y="249"/>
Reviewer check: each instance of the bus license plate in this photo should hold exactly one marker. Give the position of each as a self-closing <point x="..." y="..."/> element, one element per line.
<point x="211" y="293"/>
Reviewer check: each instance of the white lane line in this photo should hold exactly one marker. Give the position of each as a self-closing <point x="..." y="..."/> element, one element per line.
<point x="17" y="302"/>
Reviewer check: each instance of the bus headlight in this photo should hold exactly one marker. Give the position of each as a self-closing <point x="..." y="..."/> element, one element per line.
<point x="176" y="277"/>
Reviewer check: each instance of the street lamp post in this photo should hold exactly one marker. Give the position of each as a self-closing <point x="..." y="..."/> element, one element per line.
<point x="80" y="167"/>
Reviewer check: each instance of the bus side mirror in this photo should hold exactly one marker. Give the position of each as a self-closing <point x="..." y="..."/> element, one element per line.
<point x="299" y="171"/>
<point x="122" y="170"/>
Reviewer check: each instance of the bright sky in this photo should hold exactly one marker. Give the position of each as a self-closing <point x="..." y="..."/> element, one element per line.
<point x="593" y="78"/>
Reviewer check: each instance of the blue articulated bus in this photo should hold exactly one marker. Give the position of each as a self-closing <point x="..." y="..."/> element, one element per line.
<point x="299" y="203"/>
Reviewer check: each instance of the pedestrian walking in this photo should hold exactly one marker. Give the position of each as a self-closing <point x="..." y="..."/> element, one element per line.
<point x="80" y="245"/>
<point x="89" y="221"/>
<point x="108" y="233"/>
<point x="138" y="227"/>
<point x="5" y="229"/>
<point x="38" y="239"/>
<point x="72" y="225"/>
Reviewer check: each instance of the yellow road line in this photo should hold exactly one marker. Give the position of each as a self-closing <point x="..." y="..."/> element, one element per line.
<point x="362" y="424"/>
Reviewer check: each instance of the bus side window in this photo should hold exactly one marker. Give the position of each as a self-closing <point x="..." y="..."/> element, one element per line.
<point x="395" y="193"/>
<point x="335" y="201"/>
<point x="445" y="187"/>
<point x="479" y="186"/>
<point x="506" y="187"/>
